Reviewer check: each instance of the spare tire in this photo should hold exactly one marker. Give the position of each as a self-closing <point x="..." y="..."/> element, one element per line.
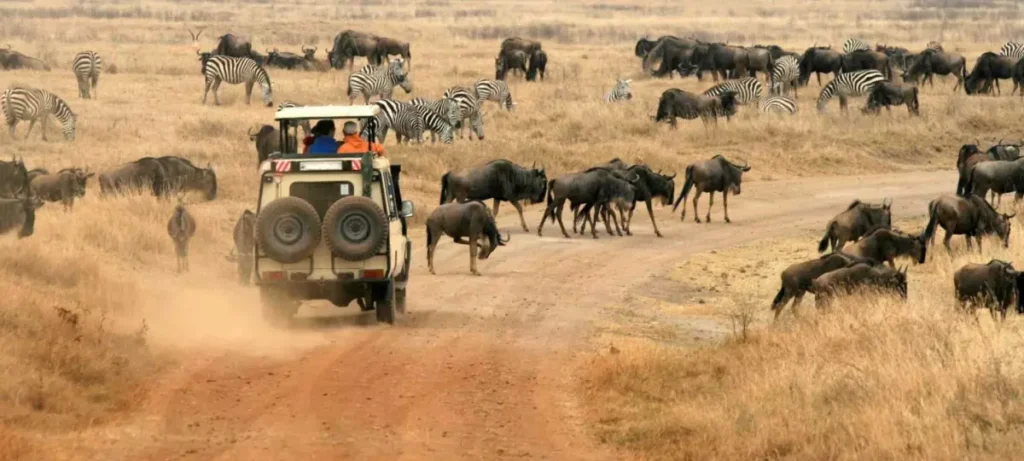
<point x="355" y="228"/>
<point x="288" y="230"/>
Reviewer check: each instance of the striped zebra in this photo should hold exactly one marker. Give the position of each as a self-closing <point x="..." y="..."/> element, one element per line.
<point x="19" y="103"/>
<point x="440" y="117"/>
<point x="785" y="74"/>
<point x="494" y="90"/>
<point x="620" y="92"/>
<point x="469" y="107"/>
<point x="748" y="89"/>
<point x="220" y="68"/>
<point x="1012" y="49"/>
<point x="777" y="105"/>
<point x="855" y="44"/>
<point x="406" y="119"/>
<point x="857" y="83"/>
<point x="87" y="66"/>
<point x="378" y="81"/>
<point x="933" y="45"/>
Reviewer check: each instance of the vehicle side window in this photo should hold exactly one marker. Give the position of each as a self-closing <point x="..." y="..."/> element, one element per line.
<point x="389" y="192"/>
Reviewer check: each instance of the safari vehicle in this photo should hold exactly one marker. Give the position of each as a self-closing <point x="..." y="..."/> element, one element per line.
<point x="330" y="226"/>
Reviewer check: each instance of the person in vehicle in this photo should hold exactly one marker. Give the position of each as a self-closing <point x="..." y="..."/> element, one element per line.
<point x="323" y="141"/>
<point x="353" y="144"/>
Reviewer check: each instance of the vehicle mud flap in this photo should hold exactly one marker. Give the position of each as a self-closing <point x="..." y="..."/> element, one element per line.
<point x="385" y="304"/>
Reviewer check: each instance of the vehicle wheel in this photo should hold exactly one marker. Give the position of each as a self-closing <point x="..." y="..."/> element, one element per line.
<point x="355" y="228"/>
<point x="278" y="306"/>
<point x="385" y="305"/>
<point x="288" y="230"/>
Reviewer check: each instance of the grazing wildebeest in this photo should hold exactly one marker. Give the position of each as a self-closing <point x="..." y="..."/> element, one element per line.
<point x="13" y="178"/>
<point x="970" y="156"/>
<point x="242" y="253"/>
<point x="139" y="174"/>
<point x="885" y="245"/>
<point x="760" y="60"/>
<point x="684" y="104"/>
<point x="509" y="60"/>
<point x="64" y="186"/>
<point x="989" y="68"/>
<point x="670" y="51"/>
<point x="468" y="220"/>
<point x="994" y="285"/>
<point x="387" y="47"/>
<point x="797" y="278"/>
<point x="182" y="176"/>
<point x="582" y="188"/>
<point x="349" y="43"/>
<point x="860" y="276"/>
<point x="855" y="222"/>
<point x="715" y="175"/>
<point x="233" y="45"/>
<point x="12" y="60"/>
<point x="970" y="216"/>
<point x="931" y="62"/>
<point x="538" y="62"/>
<point x="866" y="59"/>
<point x="19" y="213"/>
<point x="887" y="94"/>
<point x="725" y="60"/>
<point x="181" y="227"/>
<point x="819" y="60"/>
<point x="999" y="177"/>
<point x="517" y="43"/>
<point x="498" y="180"/>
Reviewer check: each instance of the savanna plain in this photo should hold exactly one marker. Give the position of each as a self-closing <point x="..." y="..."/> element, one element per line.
<point x="617" y="348"/>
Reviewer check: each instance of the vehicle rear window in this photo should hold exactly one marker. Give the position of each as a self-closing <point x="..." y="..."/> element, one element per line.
<point x="321" y="194"/>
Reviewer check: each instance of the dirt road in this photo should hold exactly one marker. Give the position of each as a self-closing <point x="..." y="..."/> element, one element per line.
<point x="480" y="368"/>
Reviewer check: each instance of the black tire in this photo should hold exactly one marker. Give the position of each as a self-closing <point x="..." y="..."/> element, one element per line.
<point x="288" y="230"/>
<point x="385" y="305"/>
<point x="277" y="305"/>
<point x="355" y="228"/>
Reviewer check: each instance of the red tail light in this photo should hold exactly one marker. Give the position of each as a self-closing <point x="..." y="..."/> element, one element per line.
<point x="373" y="274"/>
<point x="272" y="276"/>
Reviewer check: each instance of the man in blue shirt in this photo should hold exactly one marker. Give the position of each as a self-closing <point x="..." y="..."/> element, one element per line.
<point x="323" y="139"/>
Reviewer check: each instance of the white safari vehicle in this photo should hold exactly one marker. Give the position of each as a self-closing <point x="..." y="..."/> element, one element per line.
<point x="330" y="226"/>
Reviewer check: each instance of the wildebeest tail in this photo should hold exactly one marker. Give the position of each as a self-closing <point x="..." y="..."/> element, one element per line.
<point x="686" y="187"/>
<point x="551" y="198"/>
<point x="777" y="302"/>
<point x="444" y="187"/>
<point x="969" y="185"/>
<point x="933" y="220"/>
<point x="823" y="244"/>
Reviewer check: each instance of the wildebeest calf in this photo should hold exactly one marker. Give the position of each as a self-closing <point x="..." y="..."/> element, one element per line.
<point x="852" y="224"/>
<point x="994" y="285"/>
<point x="181" y="227"/>
<point x="469" y="220"/>
<point x="858" y="277"/>
<point x="797" y="278"/>
<point x="715" y="175"/>
<point x="242" y="253"/>
<point x="19" y="213"/>
<point x="885" y="245"/>
<point x="64" y="186"/>
<point x="887" y="94"/>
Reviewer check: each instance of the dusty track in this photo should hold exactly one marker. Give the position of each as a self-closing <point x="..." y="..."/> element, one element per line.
<point x="480" y="368"/>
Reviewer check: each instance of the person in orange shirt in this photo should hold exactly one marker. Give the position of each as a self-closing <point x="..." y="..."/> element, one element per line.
<point x="353" y="144"/>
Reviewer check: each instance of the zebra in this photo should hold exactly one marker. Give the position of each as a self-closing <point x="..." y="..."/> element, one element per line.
<point x="19" y="103"/>
<point x="1012" y="49"/>
<point x="856" y="83"/>
<point x="748" y="89"/>
<point x="933" y="45"/>
<point x="405" y="118"/>
<point x="469" y="107"/>
<point x="785" y="73"/>
<point x="378" y="81"/>
<point x="440" y="117"/>
<point x="494" y="90"/>
<point x="87" y="66"/>
<point x="855" y="44"/>
<point x="620" y="92"/>
<point x="220" y="68"/>
<point x="777" y="105"/>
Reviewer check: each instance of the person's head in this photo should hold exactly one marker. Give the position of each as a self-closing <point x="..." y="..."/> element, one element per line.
<point x="350" y="128"/>
<point x="323" y="128"/>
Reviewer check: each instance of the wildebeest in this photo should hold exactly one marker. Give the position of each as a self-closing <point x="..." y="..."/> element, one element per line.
<point x="931" y="62"/>
<point x="857" y="277"/>
<point x="759" y="60"/>
<point x="19" y="213"/>
<point x="12" y="60"/>
<point x="348" y="44"/>
<point x="994" y="285"/>
<point x="989" y="68"/>
<point x="777" y="51"/>
<point x="468" y="220"/>
<point x="233" y="45"/>
<point x="797" y="278"/>
<point x="678" y="103"/>
<point x="885" y="245"/>
<point x="1018" y="78"/>
<point x="509" y="60"/>
<point x="1004" y="151"/>
<point x="999" y="177"/>
<point x="970" y="156"/>
<point x="182" y="177"/>
<point x="287" y="60"/>
<point x="144" y="172"/>
<point x="671" y="52"/>
<point x="886" y="94"/>
<point x="314" y="64"/>
<point x="63" y="186"/>
<point x="644" y="46"/>
<point x="866" y="59"/>
<point x="517" y="43"/>
<point x="538" y="63"/>
<point x="499" y="180"/>
<point x="650" y="186"/>
<point x="819" y="60"/>
<point x="615" y="190"/>
<point x="582" y="188"/>
<point x="855" y="222"/>
<point x="181" y="227"/>
<point x="13" y="178"/>
<point x="387" y="47"/>
<point x="715" y="175"/>
<point x="725" y="60"/>
<point x="242" y="253"/>
<point x="970" y="216"/>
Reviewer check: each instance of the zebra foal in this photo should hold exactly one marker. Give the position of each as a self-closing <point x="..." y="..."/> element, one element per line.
<point x="87" y="66"/>
<point x="494" y="90"/>
<point x="620" y="92"/>
<point x="747" y="89"/>
<point x="378" y="81"/>
<point x="440" y="117"/>
<point x="19" y="103"/>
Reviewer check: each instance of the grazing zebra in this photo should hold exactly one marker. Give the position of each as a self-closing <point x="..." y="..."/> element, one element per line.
<point x="933" y="45"/>
<point x="440" y="117"/>
<point x="405" y="118"/>
<point x="855" y="44"/>
<point x="785" y="74"/>
<point x="748" y="89"/>
<point x="494" y="90"/>
<point x="220" y="68"/>
<point x="87" y="66"/>
<point x="378" y="81"/>
<point x="34" y="105"/>
<point x="849" y="84"/>
<point x="469" y="107"/>
<point x="1012" y="49"/>
<point x="776" y="105"/>
<point x="620" y="92"/>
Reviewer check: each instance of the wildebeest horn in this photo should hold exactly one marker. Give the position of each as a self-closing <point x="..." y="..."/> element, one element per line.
<point x="502" y="242"/>
<point x="1010" y="216"/>
<point x="1000" y="142"/>
<point x="198" y="53"/>
<point x="673" y="175"/>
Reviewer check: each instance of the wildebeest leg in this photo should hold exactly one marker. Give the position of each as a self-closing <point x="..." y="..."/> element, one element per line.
<point x="472" y="255"/>
<point x="711" y="203"/>
<point x="654" y="223"/>
<point x="558" y="214"/>
<point x="970" y="246"/>
<point x="696" y="195"/>
<point x="519" y="209"/>
<point x="725" y="204"/>
<point x="796" y="302"/>
<point x="604" y="217"/>
<point x="978" y="239"/>
<point x="819" y="77"/>
<point x="608" y="212"/>
<point x="431" y="246"/>
<point x="496" y="203"/>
